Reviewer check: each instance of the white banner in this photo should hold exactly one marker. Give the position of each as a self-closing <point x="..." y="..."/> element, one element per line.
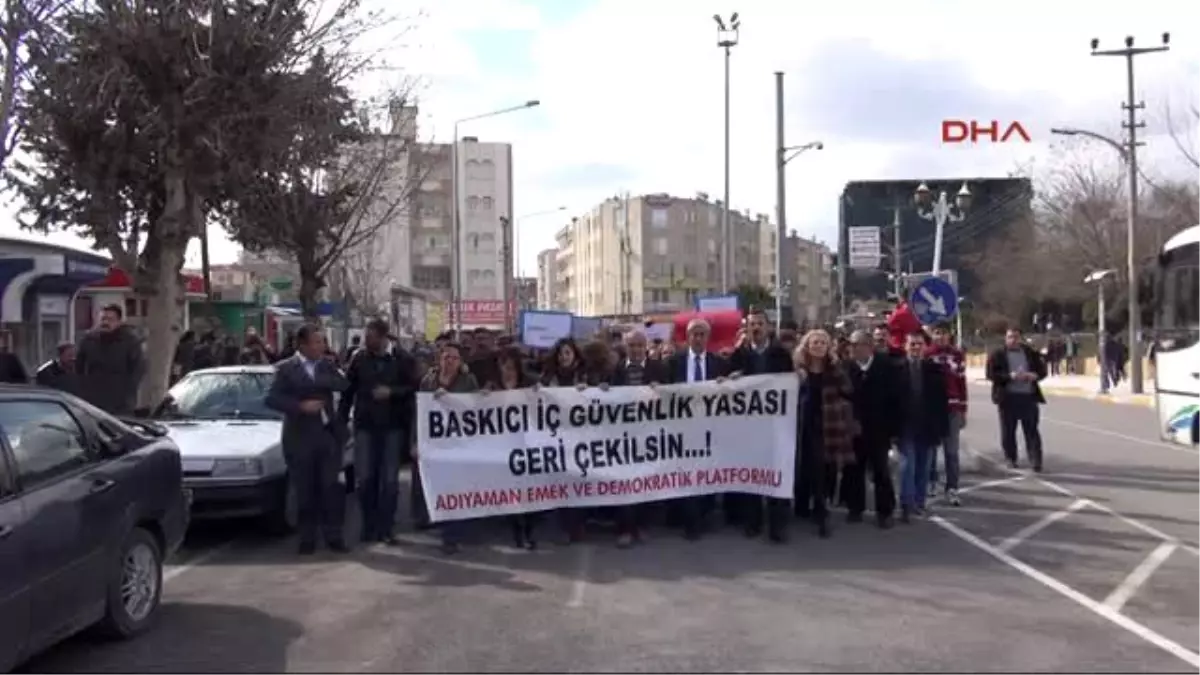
<point x="521" y="451"/>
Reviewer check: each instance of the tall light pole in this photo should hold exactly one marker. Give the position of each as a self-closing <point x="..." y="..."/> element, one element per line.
<point x="516" y="235"/>
<point x="1131" y="125"/>
<point x="456" y="290"/>
<point x="941" y="212"/>
<point x="511" y="259"/>
<point x="1097" y="278"/>
<point x="782" y="157"/>
<point x="727" y="39"/>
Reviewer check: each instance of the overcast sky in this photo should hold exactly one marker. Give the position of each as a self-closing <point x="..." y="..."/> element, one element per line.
<point x="631" y="92"/>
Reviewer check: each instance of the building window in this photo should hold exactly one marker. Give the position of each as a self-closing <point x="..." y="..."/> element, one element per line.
<point x="472" y="203"/>
<point x="488" y="202"/>
<point x="474" y="239"/>
<point x="431" y="278"/>
<point x="658" y="218"/>
<point x="660" y="245"/>
<point x="712" y="246"/>
<point x="691" y="245"/>
<point x="487" y="239"/>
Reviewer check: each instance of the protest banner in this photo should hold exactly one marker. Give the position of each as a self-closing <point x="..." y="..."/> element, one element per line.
<point x="506" y="452"/>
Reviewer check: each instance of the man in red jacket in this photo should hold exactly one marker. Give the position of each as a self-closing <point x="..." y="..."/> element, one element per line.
<point x="954" y="362"/>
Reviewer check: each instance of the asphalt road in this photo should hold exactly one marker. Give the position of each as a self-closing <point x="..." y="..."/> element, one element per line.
<point x="973" y="589"/>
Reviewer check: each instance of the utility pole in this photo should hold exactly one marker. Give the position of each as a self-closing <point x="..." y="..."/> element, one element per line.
<point x="780" y="200"/>
<point x="727" y="39"/>
<point x="506" y="263"/>
<point x="1131" y="124"/>
<point x="897" y="263"/>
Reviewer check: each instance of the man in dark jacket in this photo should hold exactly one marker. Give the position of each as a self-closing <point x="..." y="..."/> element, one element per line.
<point x="876" y="402"/>
<point x="59" y="373"/>
<point x="382" y="390"/>
<point x="757" y="355"/>
<point x="925" y="410"/>
<point x="637" y="369"/>
<point x="1015" y="371"/>
<point x="110" y="363"/>
<point x="12" y="371"/>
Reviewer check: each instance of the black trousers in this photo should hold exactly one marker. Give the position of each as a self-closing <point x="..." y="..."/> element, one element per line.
<point x="775" y="512"/>
<point x="872" y="458"/>
<point x="320" y="500"/>
<point x="416" y="497"/>
<point x="812" y="480"/>
<point x="1020" y="409"/>
<point x="630" y="518"/>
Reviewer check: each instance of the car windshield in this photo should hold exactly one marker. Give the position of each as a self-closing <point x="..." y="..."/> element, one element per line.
<point x="219" y="395"/>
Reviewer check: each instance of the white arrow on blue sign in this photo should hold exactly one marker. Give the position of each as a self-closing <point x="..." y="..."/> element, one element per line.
<point x="934" y="300"/>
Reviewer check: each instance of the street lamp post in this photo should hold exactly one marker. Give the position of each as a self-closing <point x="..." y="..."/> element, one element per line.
<point x="958" y="321"/>
<point x="941" y="212"/>
<point x="1097" y="278"/>
<point x="512" y="266"/>
<point x="456" y="290"/>
<point x="727" y="39"/>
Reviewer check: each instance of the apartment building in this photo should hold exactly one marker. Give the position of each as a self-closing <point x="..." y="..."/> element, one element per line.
<point x="547" y="276"/>
<point x="652" y="253"/>
<point x="808" y="279"/>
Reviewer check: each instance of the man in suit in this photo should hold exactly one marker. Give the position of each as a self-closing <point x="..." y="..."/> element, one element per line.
<point x="637" y="369"/>
<point x="758" y="354"/>
<point x="876" y="402"/>
<point x="696" y="364"/>
<point x="313" y="438"/>
<point x="1015" y="371"/>
<point x="925" y="410"/>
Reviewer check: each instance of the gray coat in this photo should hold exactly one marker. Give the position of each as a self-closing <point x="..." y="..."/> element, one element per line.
<point x="109" y="367"/>
<point x="292" y="385"/>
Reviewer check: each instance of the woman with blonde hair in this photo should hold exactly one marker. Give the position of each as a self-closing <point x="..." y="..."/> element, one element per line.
<point x="825" y="424"/>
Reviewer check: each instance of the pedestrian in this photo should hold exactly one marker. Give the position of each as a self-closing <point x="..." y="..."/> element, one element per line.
<point x="876" y="403"/>
<point x="59" y="372"/>
<point x="758" y="355"/>
<point x="313" y="437"/>
<point x="925" y="422"/>
<point x="12" y="371"/>
<point x="511" y="375"/>
<point x="1015" y="371"/>
<point x="825" y="425"/>
<point x="695" y="364"/>
<point x="110" y="362"/>
<point x="954" y="365"/>
<point x="185" y="355"/>
<point x="636" y="370"/>
<point x="381" y="379"/>
<point x="254" y="351"/>
<point x="482" y="357"/>
<point x="451" y="377"/>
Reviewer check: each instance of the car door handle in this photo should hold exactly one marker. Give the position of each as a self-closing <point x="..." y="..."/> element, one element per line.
<point x="101" y="485"/>
<point x="5" y="530"/>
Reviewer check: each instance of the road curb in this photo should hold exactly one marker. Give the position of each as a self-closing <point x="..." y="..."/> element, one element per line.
<point x="1141" y="400"/>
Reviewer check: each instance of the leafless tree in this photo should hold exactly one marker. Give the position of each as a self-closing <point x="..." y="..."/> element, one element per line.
<point x="1183" y="126"/>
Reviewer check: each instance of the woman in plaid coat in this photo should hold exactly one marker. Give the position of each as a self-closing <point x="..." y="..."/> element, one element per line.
<point x="826" y="426"/>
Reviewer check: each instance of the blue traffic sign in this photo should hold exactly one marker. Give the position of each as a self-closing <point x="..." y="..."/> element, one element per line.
<point x="934" y="300"/>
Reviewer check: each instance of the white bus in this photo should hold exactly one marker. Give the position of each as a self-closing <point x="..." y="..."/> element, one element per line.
<point x="1177" y="338"/>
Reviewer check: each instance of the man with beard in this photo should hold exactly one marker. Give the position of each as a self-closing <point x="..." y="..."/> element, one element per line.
<point x="110" y="363"/>
<point x="758" y="354"/>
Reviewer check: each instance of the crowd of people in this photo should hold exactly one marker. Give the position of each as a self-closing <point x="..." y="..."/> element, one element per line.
<point x="861" y="395"/>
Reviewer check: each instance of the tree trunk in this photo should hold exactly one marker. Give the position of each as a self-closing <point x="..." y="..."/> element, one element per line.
<point x="308" y="297"/>
<point x="163" y="322"/>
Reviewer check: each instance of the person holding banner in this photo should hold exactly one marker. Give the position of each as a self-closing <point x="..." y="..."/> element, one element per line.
<point x="511" y="374"/>
<point x="758" y="354"/>
<point x="696" y="364"/>
<point x="564" y="367"/>
<point x="636" y="370"/>
<point x="450" y="377"/>
<point x="826" y="425"/>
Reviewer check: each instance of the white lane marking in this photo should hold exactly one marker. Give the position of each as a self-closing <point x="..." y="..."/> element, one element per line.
<point x="1121" y="436"/>
<point x="1136" y="524"/>
<point x="582" y="572"/>
<point x="1122" y="593"/>
<point x="1137" y="629"/>
<point x="991" y="483"/>
<point x="172" y="571"/>
<point x="1033" y="528"/>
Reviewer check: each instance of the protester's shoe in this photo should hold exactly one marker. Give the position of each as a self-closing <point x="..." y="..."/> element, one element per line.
<point x="933" y="488"/>
<point x="1037" y="468"/>
<point x="952" y="498"/>
<point x="906" y="515"/>
<point x="368" y="537"/>
<point x="823" y="529"/>
<point x="389" y="540"/>
<point x="752" y="531"/>
<point x="854" y="517"/>
<point x="691" y="533"/>
<point x="337" y="546"/>
<point x="530" y="544"/>
<point x="518" y="535"/>
<point x="1013" y="464"/>
<point x="450" y="548"/>
<point x="625" y="540"/>
<point x="920" y="511"/>
<point x="885" y="522"/>
<point x="306" y="548"/>
<point x="777" y="536"/>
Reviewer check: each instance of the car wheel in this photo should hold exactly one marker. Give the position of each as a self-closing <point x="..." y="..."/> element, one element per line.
<point x="282" y="520"/>
<point x="134" y="586"/>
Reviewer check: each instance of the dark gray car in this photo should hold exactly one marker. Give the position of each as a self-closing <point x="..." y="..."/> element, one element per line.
<point x="90" y="506"/>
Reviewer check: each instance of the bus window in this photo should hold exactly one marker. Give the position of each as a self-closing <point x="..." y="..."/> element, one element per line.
<point x="1178" y="320"/>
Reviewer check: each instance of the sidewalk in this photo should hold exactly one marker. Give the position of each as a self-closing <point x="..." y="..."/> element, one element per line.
<point x="1082" y="386"/>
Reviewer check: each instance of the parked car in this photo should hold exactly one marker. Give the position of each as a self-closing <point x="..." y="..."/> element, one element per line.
<point x="230" y="442"/>
<point x="90" y="507"/>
